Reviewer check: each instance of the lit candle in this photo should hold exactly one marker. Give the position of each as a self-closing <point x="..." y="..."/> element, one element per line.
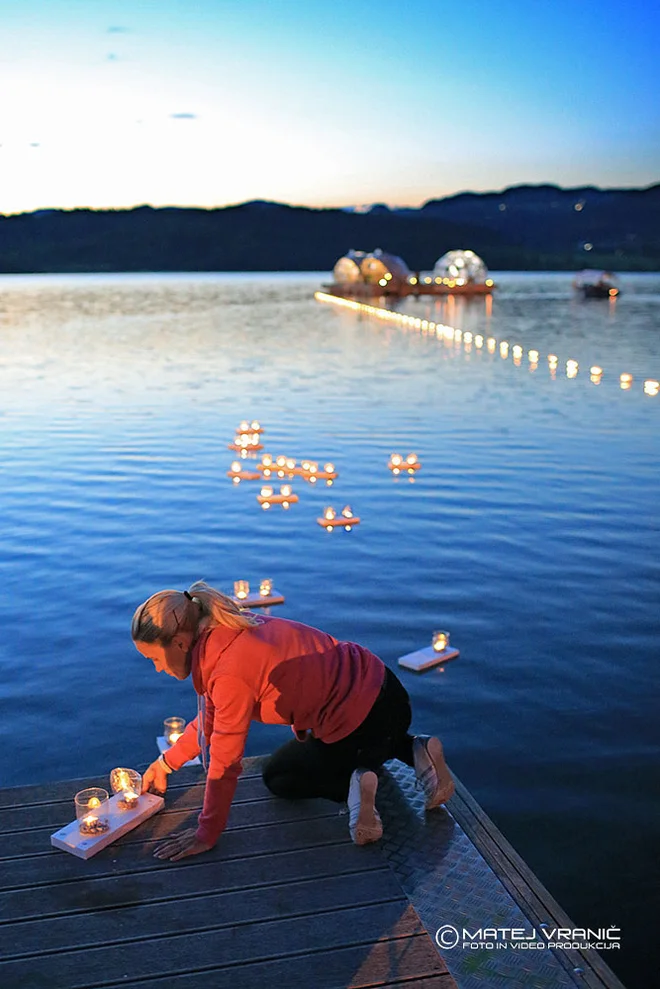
<point x="346" y="512"/>
<point x="91" y="811"/>
<point x="329" y="468"/>
<point x="266" y="492"/>
<point x="255" y="424"/>
<point x="285" y="490"/>
<point x="266" y="587"/>
<point x="281" y="461"/>
<point x="173" y="729"/>
<point x="290" y="463"/>
<point x="651" y="387"/>
<point x="128" y="784"/>
<point x="267" y="460"/>
<point x="396" y="459"/>
<point x="533" y="356"/>
<point x="243" y="426"/>
<point x="236" y="466"/>
<point x="411" y="458"/>
<point x="242" y="587"/>
<point x="440" y="641"/>
<point x="596" y="371"/>
<point x="329" y="513"/>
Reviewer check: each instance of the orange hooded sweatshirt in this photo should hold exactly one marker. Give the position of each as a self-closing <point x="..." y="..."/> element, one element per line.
<point x="278" y="672"/>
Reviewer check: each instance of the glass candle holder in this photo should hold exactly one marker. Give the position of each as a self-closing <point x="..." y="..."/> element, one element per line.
<point x="266" y="587"/>
<point x="285" y="490"/>
<point x="267" y="460"/>
<point x="347" y="512"/>
<point x="266" y="492"/>
<point x="243" y="426"/>
<point x="92" y="811"/>
<point x="173" y="729"/>
<point x="396" y="459"/>
<point x="329" y="468"/>
<point x="329" y="513"/>
<point x="440" y="641"/>
<point x="128" y="784"/>
<point x="411" y="458"/>
<point x="242" y="587"/>
<point x="255" y="424"/>
<point x="235" y="466"/>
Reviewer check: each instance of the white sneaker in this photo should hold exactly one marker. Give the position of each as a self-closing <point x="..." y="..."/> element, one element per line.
<point x="364" y="821"/>
<point x="431" y="770"/>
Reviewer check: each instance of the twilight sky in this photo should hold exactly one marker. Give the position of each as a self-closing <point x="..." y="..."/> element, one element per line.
<point x="209" y="102"/>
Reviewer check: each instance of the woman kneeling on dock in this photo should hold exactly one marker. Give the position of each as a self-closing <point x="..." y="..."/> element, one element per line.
<point x="348" y="711"/>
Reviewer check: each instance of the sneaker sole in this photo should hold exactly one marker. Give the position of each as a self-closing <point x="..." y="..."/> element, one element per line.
<point x="369" y="826"/>
<point x="445" y="788"/>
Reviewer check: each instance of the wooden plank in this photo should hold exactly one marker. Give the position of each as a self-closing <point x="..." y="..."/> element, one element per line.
<point x="71" y="839"/>
<point x="22" y="844"/>
<point x="177" y="916"/>
<point x="384" y="964"/>
<point x="202" y="874"/>
<point x="244" y="943"/>
<point x="263" y="809"/>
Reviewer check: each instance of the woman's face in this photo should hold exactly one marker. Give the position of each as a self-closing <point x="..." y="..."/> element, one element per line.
<point x="175" y="658"/>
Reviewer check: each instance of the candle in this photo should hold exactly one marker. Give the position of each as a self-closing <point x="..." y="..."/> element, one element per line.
<point x="235" y="466"/>
<point x="173" y="729"/>
<point x="266" y="587"/>
<point x="128" y="784"/>
<point x="242" y="587"/>
<point x="281" y="461"/>
<point x="92" y="811"/>
<point x="329" y="513"/>
<point x="255" y="424"/>
<point x="267" y="460"/>
<point x="285" y="490"/>
<point x="329" y="468"/>
<point x="290" y="463"/>
<point x="346" y="512"/>
<point x="396" y="459"/>
<point x="440" y="641"/>
<point x="411" y="458"/>
<point x="266" y="492"/>
<point x="243" y="426"/>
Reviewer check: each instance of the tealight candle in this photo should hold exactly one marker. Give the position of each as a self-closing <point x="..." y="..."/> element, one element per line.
<point x="127" y="783"/>
<point x="346" y="512"/>
<point x="266" y="587"/>
<point x="533" y="356"/>
<point x="235" y="466"/>
<point x="411" y="458"/>
<point x="396" y="459"/>
<point x="267" y="492"/>
<point x="92" y="811"/>
<point x="242" y="587"/>
<point x="281" y="461"/>
<point x="173" y="729"/>
<point x="329" y="468"/>
<point x="290" y="463"/>
<point x="440" y="641"/>
<point x="255" y="424"/>
<point x="267" y="460"/>
<point x="329" y="513"/>
<point x="243" y="426"/>
<point x="285" y="490"/>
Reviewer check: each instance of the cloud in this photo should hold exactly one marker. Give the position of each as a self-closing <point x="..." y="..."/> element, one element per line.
<point x="183" y="116"/>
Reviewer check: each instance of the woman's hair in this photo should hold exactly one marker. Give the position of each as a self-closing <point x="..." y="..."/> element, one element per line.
<point x="168" y="612"/>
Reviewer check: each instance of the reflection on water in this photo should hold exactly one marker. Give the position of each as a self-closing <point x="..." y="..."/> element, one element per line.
<point x="529" y="532"/>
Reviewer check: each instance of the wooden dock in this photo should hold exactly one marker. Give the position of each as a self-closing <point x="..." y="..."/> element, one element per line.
<point x="284" y="897"/>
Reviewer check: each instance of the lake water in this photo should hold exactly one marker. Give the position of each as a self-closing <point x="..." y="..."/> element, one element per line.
<point x="531" y="533"/>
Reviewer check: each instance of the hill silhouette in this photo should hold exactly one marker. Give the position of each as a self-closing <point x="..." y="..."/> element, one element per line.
<point x="521" y="228"/>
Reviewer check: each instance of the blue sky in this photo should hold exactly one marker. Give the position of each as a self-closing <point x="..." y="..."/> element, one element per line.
<point x="208" y="102"/>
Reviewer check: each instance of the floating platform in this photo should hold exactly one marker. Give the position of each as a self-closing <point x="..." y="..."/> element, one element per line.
<point x="70" y="839"/>
<point x="424" y="659"/>
<point x="284" y="897"/>
<point x="400" y="291"/>
<point x="259" y="600"/>
<point x="340" y="522"/>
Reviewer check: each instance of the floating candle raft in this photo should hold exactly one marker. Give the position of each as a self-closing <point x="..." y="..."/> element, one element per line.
<point x="288" y="467"/>
<point x="331" y="520"/>
<point x="238" y="473"/>
<point x="285" y="497"/>
<point x="438" y="652"/>
<point x="398" y="464"/>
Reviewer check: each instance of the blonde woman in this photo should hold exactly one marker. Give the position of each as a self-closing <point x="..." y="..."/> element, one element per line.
<point x="349" y="713"/>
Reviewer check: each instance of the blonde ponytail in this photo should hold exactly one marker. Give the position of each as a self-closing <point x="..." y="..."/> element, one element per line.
<point x="168" y="612"/>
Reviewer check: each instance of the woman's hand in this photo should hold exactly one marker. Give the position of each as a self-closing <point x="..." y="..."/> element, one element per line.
<point x="178" y="846"/>
<point x="155" y="778"/>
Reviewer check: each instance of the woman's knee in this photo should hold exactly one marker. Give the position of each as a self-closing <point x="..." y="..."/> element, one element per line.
<point x="280" y="784"/>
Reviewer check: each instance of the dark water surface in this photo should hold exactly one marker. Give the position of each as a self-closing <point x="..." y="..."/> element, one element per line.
<point x="531" y="532"/>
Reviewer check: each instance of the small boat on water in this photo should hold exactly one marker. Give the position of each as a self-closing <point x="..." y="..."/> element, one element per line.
<point x="594" y="284"/>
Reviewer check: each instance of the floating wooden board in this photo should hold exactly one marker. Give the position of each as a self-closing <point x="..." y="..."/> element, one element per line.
<point x="338" y="522"/>
<point x="250" y="448"/>
<point x="277" y="499"/>
<point x="259" y="601"/>
<point x="424" y="659"/>
<point x="69" y="838"/>
<point x="163" y="747"/>
<point x="245" y="475"/>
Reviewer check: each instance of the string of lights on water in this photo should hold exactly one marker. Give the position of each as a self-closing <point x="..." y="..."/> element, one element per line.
<point x="504" y="348"/>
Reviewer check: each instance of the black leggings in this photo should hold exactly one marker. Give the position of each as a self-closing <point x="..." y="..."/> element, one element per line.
<point x="317" y="769"/>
